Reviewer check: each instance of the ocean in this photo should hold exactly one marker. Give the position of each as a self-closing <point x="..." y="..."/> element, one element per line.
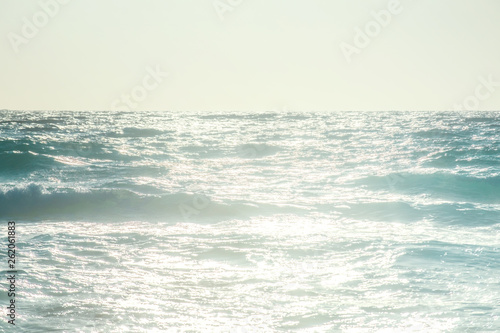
<point x="251" y="222"/>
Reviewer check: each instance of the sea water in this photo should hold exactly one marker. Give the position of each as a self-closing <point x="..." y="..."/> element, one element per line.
<point x="241" y="222"/>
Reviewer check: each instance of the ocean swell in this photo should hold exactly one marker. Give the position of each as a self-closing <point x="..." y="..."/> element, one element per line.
<point x="33" y="203"/>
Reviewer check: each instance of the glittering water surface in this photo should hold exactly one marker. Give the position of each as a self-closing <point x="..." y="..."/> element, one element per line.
<point x="277" y="222"/>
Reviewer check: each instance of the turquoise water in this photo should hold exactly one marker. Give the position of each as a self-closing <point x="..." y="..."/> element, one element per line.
<point x="275" y="222"/>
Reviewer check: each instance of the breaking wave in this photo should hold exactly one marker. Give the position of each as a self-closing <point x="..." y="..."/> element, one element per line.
<point x="34" y="203"/>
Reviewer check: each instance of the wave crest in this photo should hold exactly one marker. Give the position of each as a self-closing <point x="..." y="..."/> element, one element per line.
<point x="33" y="203"/>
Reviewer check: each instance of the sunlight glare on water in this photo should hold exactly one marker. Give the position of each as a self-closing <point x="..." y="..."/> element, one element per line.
<point x="277" y="222"/>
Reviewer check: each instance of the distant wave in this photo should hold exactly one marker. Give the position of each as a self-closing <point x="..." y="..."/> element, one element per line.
<point x="438" y="185"/>
<point x="35" y="121"/>
<point x="32" y="203"/>
<point x="440" y="133"/>
<point x="252" y="116"/>
<point x="256" y="150"/>
<point x="13" y="163"/>
<point x="135" y="132"/>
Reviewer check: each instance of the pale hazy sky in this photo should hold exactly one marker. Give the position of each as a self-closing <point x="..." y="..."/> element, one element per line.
<point x="249" y="55"/>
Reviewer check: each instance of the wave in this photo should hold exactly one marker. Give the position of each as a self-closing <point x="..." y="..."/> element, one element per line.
<point x="237" y="116"/>
<point x="486" y="157"/>
<point x="382" y="211"/>
<point x="256" y="150"/>
<point x="18" y="163"/>
<point x="45" y="128"/>
<point x="461" y="214"/>
<point x="434" y="253"/>
<point x="492" y="118"/>
<point x="469" y="215"/>
<point x="15" y="163"/>
<point x="439" y="185"/>
<point x="48" y="120"/>
<point x="33" y="203"/>
<point x="134" y="132"/>
<point x="436" y="133"/>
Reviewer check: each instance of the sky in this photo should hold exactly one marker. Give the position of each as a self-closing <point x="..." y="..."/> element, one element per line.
<point x="250" y="55"/>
